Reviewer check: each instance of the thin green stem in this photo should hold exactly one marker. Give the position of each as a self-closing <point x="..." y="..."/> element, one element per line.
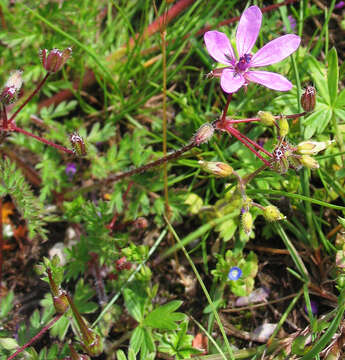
<point x="214" y="310"/>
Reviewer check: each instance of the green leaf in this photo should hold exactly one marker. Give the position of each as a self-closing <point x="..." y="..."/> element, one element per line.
<point x="6" y="304"/>
<point x="8" y="343"/>
<point x="298" y="345"/>
<point x="136" y="339"/>
<point x="318" y="76"/>
<point x="333" y="75"/>
<point x="120" y="355"/>
<point x="340" y="99"/>
<point x="164" y="317"/>
<point x="135" y="302"/>
<point x="341" y="221"/>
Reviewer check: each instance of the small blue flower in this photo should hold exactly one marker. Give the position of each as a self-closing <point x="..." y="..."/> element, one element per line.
<point x="234" y="273"/>
<point x="70" y="170"/>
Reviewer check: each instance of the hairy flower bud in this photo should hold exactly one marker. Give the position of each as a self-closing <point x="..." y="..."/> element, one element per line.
<point x="204" y="134"/>
<point x="312" y="147"/>
<point x="308" y="99"/>
<point x="95" y="348"/>
<point x="61" y="302"/>
<point x="283" y="126"/>
<point x="272" y="213"/>
<point x="266" y="118"/>
<point x="247" y="222"/>
<point x="309" y="162"/>
<point x="11" y="89"/>
<point x="54" y="60"/>
<point x="216" y="168"/>
<point x="78" y="144"/>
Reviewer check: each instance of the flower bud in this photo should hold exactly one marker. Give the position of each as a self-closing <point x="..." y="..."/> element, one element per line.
<point x="272" y="213"/>
<point x="95" y="348"/>
<point x="78" y="144"/>
<point x="308" y="99"/>
<point x="11" y="89"/>
<point x="283" y="126"/>
<point x="266" y="118"/>
<point x="61" y="302"/>
<point x="247" y="222"/>
<point x="122" y="264"/>
<point x="204" y="134"/>
<point x="312" y="147"/>
<point x="216" y="168"/>
<point x="75" y="355"/>
<point x="54" y="60"/>
<point x="309" y="162"/>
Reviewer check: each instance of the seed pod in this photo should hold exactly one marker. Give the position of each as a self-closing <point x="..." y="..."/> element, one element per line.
<point x="308" y="99"/>
<point x="247" y="222"/>
<point x="216" y="168"/>
<point x="266" y="118"/>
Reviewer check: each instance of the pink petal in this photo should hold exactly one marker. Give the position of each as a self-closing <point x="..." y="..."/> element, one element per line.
<point x="269" y="79"/>
<point x="219" y="47"/>
<point x="276" y="50"/>
<point x="231" y="81"/>
<point x="248" y="30"/>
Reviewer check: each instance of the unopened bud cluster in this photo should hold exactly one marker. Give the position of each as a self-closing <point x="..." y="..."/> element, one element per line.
<point x="308" y="99"/>
<point x="78" y="144"/>
<point x="54" y="60"/>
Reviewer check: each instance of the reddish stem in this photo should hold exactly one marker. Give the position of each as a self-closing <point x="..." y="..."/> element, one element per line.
<point x="260" y="148"/>
<point x="222" y="119"/>
<point x="292" y="116"/>
<point x="1" y="244"/>
<point x="231" y="121"/>
<point x="29" y="98"/>
<point x="29" y="343"/>
<point x="59" y="147"/>
<point x="4" y="117"/>
<point x="231" y="131"/>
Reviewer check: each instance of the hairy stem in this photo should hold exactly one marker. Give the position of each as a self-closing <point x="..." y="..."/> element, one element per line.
<point x="30" y="97"/>
<point x="36" y="337"/>
<point x="59" y="147"/>
<point x="152" y="164"/>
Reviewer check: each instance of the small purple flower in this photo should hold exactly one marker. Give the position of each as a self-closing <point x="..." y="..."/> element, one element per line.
<point x="339" y="5"/>
<point x="70" y="170"/>
<point x="314" y="307"/>
<point x="234" y="273"/>
<point x="237" y="72"/>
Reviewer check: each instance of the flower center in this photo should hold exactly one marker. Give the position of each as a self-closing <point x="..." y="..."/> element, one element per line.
<point x="244" y="62"/>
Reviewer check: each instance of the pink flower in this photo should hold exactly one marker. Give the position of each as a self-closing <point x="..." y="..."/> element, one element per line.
<point x="237" y="72"/>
